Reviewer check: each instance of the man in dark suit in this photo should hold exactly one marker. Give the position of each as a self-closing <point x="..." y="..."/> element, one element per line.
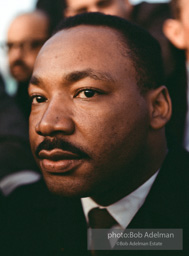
<point x="97" y="131"/>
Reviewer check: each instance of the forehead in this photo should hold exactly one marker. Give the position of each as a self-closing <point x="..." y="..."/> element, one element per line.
<point x="27" y="26"/>
<point x="83" y="47"/>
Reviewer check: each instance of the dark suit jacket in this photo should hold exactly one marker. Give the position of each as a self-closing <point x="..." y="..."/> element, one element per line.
<point x="33" y="222"/>
<point x="167" y="204"/>
<point x="38" y="223"/>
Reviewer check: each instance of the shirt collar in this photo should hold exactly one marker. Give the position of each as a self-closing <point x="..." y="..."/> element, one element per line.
<point x="123" y="210"/>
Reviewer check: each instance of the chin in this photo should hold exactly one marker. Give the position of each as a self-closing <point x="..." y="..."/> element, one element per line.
<point x="66" y="189"/>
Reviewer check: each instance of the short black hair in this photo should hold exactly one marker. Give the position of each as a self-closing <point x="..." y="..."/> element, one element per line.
<point x="139" y="45"/>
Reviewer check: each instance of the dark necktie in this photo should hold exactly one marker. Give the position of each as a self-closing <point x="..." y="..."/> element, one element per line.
<point x="100" y="219"/>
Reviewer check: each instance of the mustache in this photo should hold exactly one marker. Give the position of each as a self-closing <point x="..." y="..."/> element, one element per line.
<point x="18" y="63"/>
<point x="59" y="143"/>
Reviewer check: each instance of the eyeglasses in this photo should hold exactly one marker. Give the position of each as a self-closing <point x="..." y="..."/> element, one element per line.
<point x="25" y="46"/>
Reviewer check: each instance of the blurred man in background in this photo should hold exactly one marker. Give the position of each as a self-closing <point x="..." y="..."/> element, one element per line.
<point x="26" y="35"/>
<point x="177" y="31"/>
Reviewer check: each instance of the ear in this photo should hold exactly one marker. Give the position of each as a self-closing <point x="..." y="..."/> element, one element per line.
<point x="174" y="31"/>
<point x="160" y="107"/>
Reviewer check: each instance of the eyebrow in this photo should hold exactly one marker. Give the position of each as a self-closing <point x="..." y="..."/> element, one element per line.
<point x="94" y="74"/>
<point x="76" y="76"/>
<point x="34" y="80"/>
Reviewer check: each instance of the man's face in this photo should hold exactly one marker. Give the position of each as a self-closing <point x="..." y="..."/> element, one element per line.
<point x="89" y="122"/>
<point x="113" y="7"/>
<point x="25" y="38"/>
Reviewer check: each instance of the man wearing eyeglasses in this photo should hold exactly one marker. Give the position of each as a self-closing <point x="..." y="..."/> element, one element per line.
<point x="26" y="35"/>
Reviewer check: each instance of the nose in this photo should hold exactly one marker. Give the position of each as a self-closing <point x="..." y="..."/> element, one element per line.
<point x="56" y="119"/>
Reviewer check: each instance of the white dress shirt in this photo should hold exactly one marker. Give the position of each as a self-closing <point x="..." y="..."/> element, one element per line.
<point x="125" y="209"/>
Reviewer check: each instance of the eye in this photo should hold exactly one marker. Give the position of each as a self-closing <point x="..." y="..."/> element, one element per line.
<point x="36" y="44"/>
<point x="37" y="99"/>
<point x="86" y="93"/>
<point x="9" y="46"/>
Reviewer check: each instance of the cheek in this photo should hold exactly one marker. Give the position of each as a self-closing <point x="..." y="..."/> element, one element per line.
<point x="33" y="120"/>
<point x="11" y="58"/>
<point x="103" y="129"/>
<point x="108" y="129"/>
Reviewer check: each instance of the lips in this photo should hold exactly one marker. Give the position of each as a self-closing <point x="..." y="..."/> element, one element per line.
<point x="18" y="69"/>
<point x="58" y="161"/>
<point x="57" y="154"/>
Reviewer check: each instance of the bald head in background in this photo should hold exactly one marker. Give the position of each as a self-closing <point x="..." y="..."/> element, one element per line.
<point x="25" y="37"/>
